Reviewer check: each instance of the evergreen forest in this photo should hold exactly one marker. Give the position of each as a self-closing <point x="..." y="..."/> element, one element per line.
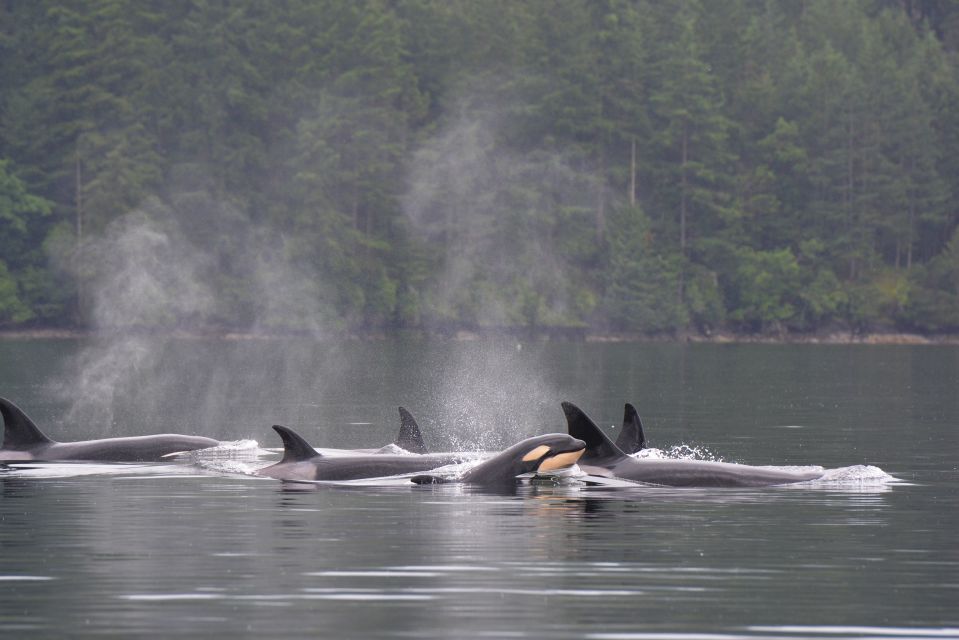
<point x="336" y="166"/>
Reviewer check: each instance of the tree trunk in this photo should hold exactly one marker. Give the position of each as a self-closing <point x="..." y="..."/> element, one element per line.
<point x="79" y="241"/>
<point x="912" y="218"/>
<point x="601" y="198"/>
<point x="683" y="186"/>
<point x="683" y="204"/>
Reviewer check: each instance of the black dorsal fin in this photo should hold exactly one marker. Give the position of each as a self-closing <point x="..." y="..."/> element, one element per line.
<point x="410" y="437"/>
<point x="295" y="448"/>
<point x="598" y="444"/>
<point x="631" y="438"/>
<point x="19" y="432"/>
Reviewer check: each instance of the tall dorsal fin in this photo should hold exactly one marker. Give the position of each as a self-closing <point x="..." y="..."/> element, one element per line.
<point x="598" y="444"/>
<point x="295" y="448"/>
<point x="19" y="432"/>
<point x="631" y="438"/>
<point x="410" y="437"/>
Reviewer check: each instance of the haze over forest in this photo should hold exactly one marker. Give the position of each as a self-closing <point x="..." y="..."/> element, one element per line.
<point x="325" y="166"/>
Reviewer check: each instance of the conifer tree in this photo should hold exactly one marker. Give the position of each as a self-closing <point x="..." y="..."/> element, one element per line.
<point x="692" y="168"/>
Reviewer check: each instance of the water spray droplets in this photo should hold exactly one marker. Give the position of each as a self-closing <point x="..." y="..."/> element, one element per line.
<point x="679" y="452"/>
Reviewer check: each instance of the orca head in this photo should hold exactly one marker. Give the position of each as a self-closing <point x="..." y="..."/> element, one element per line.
<point x="539" y="454"/>
<point x="551" y="452"/>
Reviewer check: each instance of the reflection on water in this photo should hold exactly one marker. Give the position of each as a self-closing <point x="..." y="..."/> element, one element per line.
<point x="200" y="547"/>
<point x="244" y="554"/>
<point x="790" y="631"/>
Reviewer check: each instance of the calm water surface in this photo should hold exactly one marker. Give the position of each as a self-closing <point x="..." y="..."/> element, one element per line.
<point x="201" y="548"/>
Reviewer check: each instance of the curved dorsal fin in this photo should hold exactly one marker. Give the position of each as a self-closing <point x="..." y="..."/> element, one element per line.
<point x="631" y="439"/>
<point x="295" y="448"/>
<point x="19" y="432"/>
<point x="409" y="437"/>
<point x="580" y="425"/>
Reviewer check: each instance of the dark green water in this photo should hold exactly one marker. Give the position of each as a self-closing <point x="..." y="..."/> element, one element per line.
<point x="194" y="550"/>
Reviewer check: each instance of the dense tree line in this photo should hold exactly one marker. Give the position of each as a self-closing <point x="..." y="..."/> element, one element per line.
<point x="626" y="165"/>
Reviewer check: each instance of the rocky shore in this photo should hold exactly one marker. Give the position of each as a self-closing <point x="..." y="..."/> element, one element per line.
<point x="521" y="333"/>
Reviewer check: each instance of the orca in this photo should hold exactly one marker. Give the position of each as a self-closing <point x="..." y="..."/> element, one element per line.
<point x="604" y="458"/>
<point x="23" y="440"/>
<point x="540" y="454"/>
<point x="408" y="439"/>
<point x="632" y="438"/>
<point x="301" y="462"/>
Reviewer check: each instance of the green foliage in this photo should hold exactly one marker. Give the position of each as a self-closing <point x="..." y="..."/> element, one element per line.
<point x="17" y="205"/>
<point x="21" y="280"/>
<point x="703" y="297"/>
<point x="635" y="165"/>
<point x="12" y="309"/>
<point x="934" y="300"/>
<point x="822" y="299"/>
<point x="763" y="288"/>
<point x="643" y="289"/>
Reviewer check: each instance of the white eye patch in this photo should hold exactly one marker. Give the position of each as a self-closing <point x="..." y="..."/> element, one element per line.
<point x="536" y="454"/>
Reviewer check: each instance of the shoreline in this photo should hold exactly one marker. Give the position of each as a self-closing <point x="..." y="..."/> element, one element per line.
<point x="520" y="334"/>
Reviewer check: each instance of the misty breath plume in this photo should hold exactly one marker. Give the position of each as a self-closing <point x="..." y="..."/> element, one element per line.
<point x="145" y="274"/>
<point x="194" y="266"/>
<point x="502" y="219"/>
<point x="141" y="274"/>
